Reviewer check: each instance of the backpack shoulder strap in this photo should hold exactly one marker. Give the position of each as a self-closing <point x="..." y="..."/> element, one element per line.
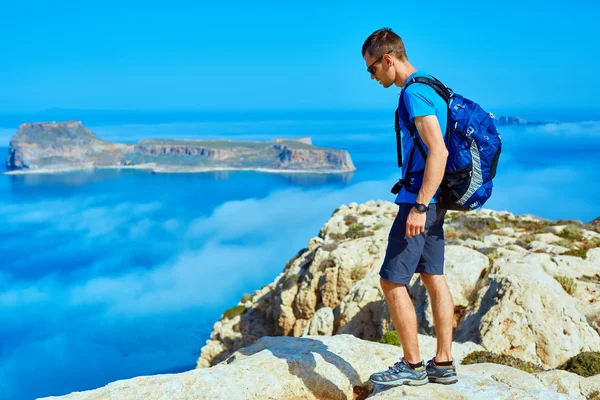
<point x="442" y="90"/>
<point x="411" y="129"/>
<point x="398" y="138"/>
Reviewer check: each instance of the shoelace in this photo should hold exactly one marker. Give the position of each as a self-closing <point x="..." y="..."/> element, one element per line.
<point x="397" y="367"/>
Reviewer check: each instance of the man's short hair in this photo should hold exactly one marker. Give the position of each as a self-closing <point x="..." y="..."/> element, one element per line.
<point x="383" y="41"/>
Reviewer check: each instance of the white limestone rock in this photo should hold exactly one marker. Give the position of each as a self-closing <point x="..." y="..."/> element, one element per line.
<point x="548" y="238"/>
<point x="590" y="387"/>
<point x="524" y="312"/>
<point x="340" y="269"/>
<point x="547" y="248"/>
<point x="360" y="312"/>
<point x="593" y="256"/>
<point x="498" y="240"/>
<point x="561" y="382"/>
<point x="321" y="323"/>
<point x="325" y="368"/>
<point x="462" y="268"/>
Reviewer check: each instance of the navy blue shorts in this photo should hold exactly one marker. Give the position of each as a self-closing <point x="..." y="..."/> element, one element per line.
<point x="423" y="253"/>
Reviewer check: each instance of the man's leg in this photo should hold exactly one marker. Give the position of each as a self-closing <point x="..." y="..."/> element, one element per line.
<point x="404" y="317"/>
<point x="443" y="314"/>
<point x="401" y="259"/>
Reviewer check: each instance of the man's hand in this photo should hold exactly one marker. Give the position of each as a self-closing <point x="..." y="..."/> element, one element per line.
<point x="415" y="223"/>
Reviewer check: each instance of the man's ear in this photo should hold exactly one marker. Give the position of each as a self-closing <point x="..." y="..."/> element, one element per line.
<point x="389" y="60"/>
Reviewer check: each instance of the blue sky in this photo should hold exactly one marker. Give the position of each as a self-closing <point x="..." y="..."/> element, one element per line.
<point x="285" y="55"/>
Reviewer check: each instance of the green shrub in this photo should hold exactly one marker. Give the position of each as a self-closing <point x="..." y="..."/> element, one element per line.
<point x="569" y="222"/>
<point x="581" y="253"/>
<point x="360" y="234"/>
<point x="567" y="283"/>
<point x="290" y="281"/>
<point x="583" y="364"/>
<point x="378" y="226"/>
<point x="477" y="357"/>
<point x="571" y="233"/>
<point x="595" y="395"/>
<point x="480" y="225"/>
<point x="532" y="226"/>
<point x="595" y="242"/>
<point x="328" y="263"/>
<point x="246" y="297"/>
<point x="356" y="230"/>
<point x="591" y="278"/>
<point x="391" y="337"/>
<point x="528" y="238"/>
<point x="337" y="236"/>
<point x="563" y="243"/>
<point x="350" y="219"/>
<point x="357" y="273"/>
<point x="523" y="243"/>
<point x="234" y="312"/>
<point x="491" y="252"/>
<point x="331" y="246"/>
<point x="583" y="246"/>
<point x="297" y="256"/>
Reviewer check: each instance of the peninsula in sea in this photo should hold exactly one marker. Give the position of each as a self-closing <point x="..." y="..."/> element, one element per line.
<point x="64" y="146"/>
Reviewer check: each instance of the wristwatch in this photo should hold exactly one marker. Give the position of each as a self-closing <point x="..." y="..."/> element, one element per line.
<point x="421" y="207"/>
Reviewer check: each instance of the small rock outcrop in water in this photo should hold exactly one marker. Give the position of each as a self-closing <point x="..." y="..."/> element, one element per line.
<point x="503" y="120"/>
<point x="59" y="146"/>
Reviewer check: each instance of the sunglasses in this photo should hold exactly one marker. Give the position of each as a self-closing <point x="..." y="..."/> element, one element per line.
<point x="371" y="68"/>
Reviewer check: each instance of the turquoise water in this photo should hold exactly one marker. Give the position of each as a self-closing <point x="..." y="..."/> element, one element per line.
<point x="111" y="274"/>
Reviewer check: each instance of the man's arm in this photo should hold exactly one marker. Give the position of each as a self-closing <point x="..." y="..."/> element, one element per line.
<point x="429" y="129"/>
<point x="435" y="165"/>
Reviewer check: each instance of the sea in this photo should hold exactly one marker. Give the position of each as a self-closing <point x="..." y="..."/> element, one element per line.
<point x="111" y="274"/>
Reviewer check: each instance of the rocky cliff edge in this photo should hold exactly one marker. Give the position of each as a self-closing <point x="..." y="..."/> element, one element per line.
<point x="522" y="286"/>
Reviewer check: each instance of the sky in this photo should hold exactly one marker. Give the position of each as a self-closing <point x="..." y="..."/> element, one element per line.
<point x="148" y="55"/>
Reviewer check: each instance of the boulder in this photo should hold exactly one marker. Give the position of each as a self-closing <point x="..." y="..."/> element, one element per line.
<point x="324" y="368"/>
<point x="462" y="268"/>
<point x="524" y="312"/>
<point x="321" y="323"/>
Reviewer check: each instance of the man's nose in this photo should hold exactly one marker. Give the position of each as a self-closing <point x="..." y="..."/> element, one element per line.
<point x="372" y="76"/>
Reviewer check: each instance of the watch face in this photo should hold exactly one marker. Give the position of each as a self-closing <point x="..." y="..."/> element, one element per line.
<point x="421" y="207"/>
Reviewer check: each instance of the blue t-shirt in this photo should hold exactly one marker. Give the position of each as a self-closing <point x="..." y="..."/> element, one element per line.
<point x="420" y="100"/>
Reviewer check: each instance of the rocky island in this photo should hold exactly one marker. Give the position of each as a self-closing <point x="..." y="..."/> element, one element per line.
<point x="63" y="146"/>
<point x="504" y="120"/>
<point x="526" y="293"/>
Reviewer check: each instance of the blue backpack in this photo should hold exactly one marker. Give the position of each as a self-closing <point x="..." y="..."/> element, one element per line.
<point x="473" y="144"/>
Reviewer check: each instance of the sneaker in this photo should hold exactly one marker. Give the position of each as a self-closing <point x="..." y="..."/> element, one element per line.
<point x="400" y="374"/>
<point x="444" y="375"/>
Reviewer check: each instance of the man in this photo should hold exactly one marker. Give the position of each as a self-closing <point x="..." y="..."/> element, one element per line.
<point x="416" y="239"/>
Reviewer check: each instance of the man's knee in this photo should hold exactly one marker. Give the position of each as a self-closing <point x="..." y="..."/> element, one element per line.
<point x="388" y="286"/>
<point x="432" y="279"/>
